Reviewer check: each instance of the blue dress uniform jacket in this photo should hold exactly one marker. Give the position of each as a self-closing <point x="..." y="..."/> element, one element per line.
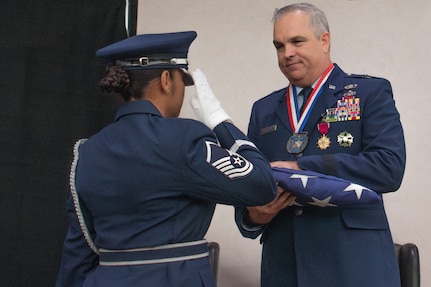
<point x="146" y="181"/>
<point x="347" y="246"/>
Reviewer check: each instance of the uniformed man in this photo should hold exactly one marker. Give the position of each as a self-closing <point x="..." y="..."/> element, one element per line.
<point x="331" y="123"/>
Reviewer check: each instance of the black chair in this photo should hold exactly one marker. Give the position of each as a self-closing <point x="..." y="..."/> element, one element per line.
<point x="408" y="262"/>
<point x="407" y="255"/>
<point x="214" y="251"/>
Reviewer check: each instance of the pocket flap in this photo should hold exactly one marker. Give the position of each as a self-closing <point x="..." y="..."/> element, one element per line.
<point x="365" y="217"/>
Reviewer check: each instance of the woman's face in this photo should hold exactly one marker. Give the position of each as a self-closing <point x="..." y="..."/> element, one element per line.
<point x="176" y="93"/>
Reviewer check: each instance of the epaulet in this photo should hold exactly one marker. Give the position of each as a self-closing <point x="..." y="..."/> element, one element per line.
<point x="271" y="94"/>
<point x="277" y="91"/>
<point x="360" y="76"/>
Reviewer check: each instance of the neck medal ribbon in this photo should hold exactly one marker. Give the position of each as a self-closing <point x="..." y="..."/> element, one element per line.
<point x="299" y="140"/>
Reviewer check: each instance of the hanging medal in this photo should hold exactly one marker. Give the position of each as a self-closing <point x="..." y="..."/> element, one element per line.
<point x="323" y="142"/>
<point x="297" y="143"/>
<point x="299" y="139"/>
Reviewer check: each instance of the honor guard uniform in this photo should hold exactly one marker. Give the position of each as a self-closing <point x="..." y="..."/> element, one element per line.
<point x="144" y="188"/>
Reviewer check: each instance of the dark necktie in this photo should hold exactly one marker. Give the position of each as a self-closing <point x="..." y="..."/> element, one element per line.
<point x="305" y="93"/>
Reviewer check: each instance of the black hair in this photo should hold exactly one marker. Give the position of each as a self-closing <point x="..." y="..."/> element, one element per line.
<point x="128" y="83"/>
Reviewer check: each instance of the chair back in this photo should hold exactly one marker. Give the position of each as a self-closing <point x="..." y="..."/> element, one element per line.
<point x="408" y="262"/>
<point x="214" y="251"/>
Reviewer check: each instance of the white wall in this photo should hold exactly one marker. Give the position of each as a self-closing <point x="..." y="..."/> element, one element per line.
<point x="387" y="38"/>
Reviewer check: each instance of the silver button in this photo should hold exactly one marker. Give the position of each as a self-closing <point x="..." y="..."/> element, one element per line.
<point x="299" y="211"/>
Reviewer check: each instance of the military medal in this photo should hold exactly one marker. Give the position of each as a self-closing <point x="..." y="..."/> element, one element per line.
<point x="299" y="139"/>
<point x="323" y="142"/>
<point x="297" y="143"/>
<point x="348" y="107"/>
<point x="345" y="139"/>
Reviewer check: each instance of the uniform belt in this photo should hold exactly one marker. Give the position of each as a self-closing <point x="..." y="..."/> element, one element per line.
<point x="153" y="255"/>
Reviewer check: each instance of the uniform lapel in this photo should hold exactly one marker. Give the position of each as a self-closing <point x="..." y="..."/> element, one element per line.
<point x="281" y="110"/>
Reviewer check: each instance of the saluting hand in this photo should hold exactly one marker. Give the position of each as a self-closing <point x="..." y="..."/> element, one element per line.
<point x="206" y="106"/>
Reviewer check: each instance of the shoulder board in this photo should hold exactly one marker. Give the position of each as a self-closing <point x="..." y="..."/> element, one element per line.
<point x="360" y="76"/>
<point x="278" y="91"/>
<point x="274" y="96"/>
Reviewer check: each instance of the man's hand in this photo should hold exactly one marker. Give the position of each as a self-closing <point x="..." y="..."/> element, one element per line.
<point x="286" y="164"/>
<point x="261" y="215"/>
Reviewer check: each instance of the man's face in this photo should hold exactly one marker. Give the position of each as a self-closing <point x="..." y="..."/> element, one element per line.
<point x="302" y="57"/>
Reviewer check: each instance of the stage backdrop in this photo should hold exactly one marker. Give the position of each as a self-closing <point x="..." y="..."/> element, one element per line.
<point x="48" y="99"/>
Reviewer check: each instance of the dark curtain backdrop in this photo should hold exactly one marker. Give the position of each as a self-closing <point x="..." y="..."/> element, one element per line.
<point x="49" y="99"/>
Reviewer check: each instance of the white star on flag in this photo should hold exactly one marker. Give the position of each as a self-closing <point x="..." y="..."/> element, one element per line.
<point x="321" y="190"/>
<point x="358" y="189"/>
<point x="296" y="203"/>
<point x="303" y="178"/>
<point x="322" y="203"/>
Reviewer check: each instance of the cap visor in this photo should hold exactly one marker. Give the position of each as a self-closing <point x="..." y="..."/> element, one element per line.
<point x="187" y="78"/>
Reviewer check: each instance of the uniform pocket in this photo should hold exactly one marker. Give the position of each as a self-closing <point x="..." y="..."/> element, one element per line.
<point x="365" y="217"/>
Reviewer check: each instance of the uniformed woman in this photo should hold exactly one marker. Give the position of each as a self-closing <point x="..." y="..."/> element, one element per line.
<point x="144" y="188"/>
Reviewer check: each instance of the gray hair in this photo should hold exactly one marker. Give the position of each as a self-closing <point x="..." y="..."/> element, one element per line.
<point x="318" y="20"/>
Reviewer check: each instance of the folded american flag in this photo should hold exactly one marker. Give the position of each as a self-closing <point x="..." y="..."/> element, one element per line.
<point x="312" y="188"/>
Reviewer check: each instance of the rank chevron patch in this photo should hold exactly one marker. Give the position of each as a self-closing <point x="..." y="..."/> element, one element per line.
<point x="229" y="163"/>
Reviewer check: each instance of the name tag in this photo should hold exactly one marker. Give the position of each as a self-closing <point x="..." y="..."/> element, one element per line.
<point x="267" y="130"/>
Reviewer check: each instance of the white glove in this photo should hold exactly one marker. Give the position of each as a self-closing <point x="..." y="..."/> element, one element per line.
<point x="207" y="108"/>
